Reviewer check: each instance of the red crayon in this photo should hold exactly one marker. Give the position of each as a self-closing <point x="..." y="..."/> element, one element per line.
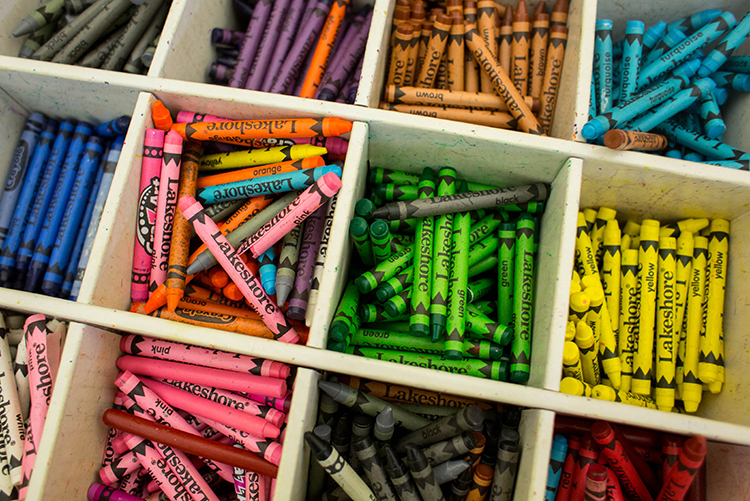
<point x="614" y="491"/>
<point x="587" y="456"/>
<point x="620" y="461"/>
<point x="670" y="446"/>
<point x="270" y="450"/>
<point x="566" y="478"/>
<point x="691" y="457"/>
<point x="566" y="425"/>
<point x="653" y="484"/>
<point x="596" y="483"/>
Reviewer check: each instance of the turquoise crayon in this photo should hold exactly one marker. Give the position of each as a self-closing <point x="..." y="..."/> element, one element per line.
<point x="694" y="22"/>
<point x="711" y="148"/>
<point x="520" y="358"/>
<point x="737" y="64"/>
<point x="631" y="59"/>
<point x="603" y="64"/>
<point x="670" y="40"/>
<point x="713" y="123"/>
<point x="592" y="99"/>
<point x="419" y="320"/>
<point x="732" y="164"/>
<point x="267" y="269"/>
<point x="653" y="36"/>
<point x="673" y="105"/>
<point x="726" y="47"/>
<point x="556" y="463"/>
<point x="735" y="81"/>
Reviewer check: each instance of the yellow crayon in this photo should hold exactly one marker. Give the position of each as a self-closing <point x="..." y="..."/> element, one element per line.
<point x="665" y="306"/>
<point x="611" y="262"/>
<point x="715" y="387"/>
<point x="579" y="306"/>
<point x="647" y="272"/>
<point x="570" y="331"/>
<point x="624" y="242"/>
<point x="691" y="385"/>
<point x="635" y="242"/>
<point x="594" y="316"/>
<point x="684" y="261"/>
<point x="576" y="277"/>
<point x="718" y="253"/>
<point x="705" y="232"/>
<point x="572" y="386"/>
<point x="572" y="361"/>
<point x="597" y="234"/>
<point x="628" y="315"/>
<point x="590" y="216"/>
<point x="584" y="250"/>
<point x="607" y="342"/>
<point x="676" y="229"/>
<point x="575" y="287"/>
<point x="259" y="156"/>
<point x="602" y="392"/>
<point x="631" y="228"/>
<point x="589" y="354"/>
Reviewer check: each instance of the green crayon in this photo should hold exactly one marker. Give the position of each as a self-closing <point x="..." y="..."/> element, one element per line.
<point x="486" y="226"/>
<point x="482" y="249"/>
<point x="380" y="238"/>
<point x="507" y="244"/>
<point x="486" y="307"/>
<point x="404" y="240"/>
<point x="370" y="280"/>
<point x="403" y="225"/>
<point x="401" y="281"/>
<point x="385" y="176"/>
<point x="482" y="349"/>
<point x="395" y="326"/>
<point x="534" y="207"/>
<point x="395" y="192"/>
<point x="477" y="215"/>
<point x="480" y="187"/>
<point x="370" y="313"/>
<point x="479" y="324"/>
<point x="485" y="264"/>
<point x="346" y="320"/>
<point x="479" y="288"/>
<point x="420" y="299"/>
<point x="459" y="281"/>
<point x="364" y="208"/>
<point x="359" y="231"/>
<point x="399" y="304"/>
<point x="442" y="249"/>
<point x="399" y="341"/>
<point x="339" y="346"/>
<point x="520" y="359"/>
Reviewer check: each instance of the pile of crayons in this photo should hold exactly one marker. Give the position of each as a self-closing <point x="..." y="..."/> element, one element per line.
<point x="660" y="80"/>
<point x="491" y="65"/>
<point x="375" y="443"/>
<point x="30" y="350"/>
<point x="647" y="306"/>
<point x="53" y="199"/>
<point x="310" y="49"/>
<point x="190" y="421"/>
<point x="276" y="201"/>
<point x="117" y="35"/>
<point x="600" y="461"/>
<point x="423" y="250"/>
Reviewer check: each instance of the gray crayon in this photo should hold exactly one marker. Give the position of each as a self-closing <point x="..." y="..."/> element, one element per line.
<point x="463" y="202"/>
<point x="37" y="39"/>
<point x="327" y="409"/>
<point x="96" y="56"/>
<point x="372" y="405"/>
<point x="335" y="465"/>
<point x="441" y="452"/>
<point x="336" y="494"/>
<point x="148" y="56"/>
<point x="61" y="38"/>
<point x="450" y="470"/>
<point x="505" y="471"/>
<point x="341" y="437"/>
<point x="361" y="427"/>
<point x="421" y="472"/>
<point x="316" y="478"/>
<point x="384" y="425"/>
<point x="76" y="6"/>
<point x="133" y="64"/>
<point x="220" y="211"/>
<point x="372" y="466"/>
<point x="135" y="28"/>
<point x="400" y="477"/>
<point x="460" y="487"/>
<point x="469" y="418"/>
<point x="287" y="270"/>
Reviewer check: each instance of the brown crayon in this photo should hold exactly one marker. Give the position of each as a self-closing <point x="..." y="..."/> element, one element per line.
<point x="520" y="48"/>
<point x="471" y="69"/>
<point x="489" y="118"/>
<point x="411" y="56"/>
<point x="243" y="132"/>
<point x="180" y="249"/>
<point x="261" y="170"/>
<point x="400" y="54"/>
<point x="418" y="14"/>
<point x="617" y="139"/>
<point x="559" y="15"/>
<point x="480" y="484"/>
<point x="452" y="6"/>
<point x="408" y="395"/>
<point x="441" y="79"/>
<point x="498" y="24"/>
<point x="552" y="75"/>
<point x="486" y="25"/>
<point x="453" y="99"/>
<point x="456" y="53"/>
<point x="401" y="15"/>
<point x="501" y="82"/>
<point x="424" y="41"/>
<point x="505" y="50"/>
<point x="500" y="8"/>
<point x="436" y="47"/>
<point x="324" y="48"/>
<point x="196" y="292"/>
<point x="538" y="52"/>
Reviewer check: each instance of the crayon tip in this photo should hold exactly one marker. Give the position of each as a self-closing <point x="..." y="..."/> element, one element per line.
<point x="161" y="116"/>
<point x="508" y="19"/>
<point x="332" y="389"/>
<point x="561" y="6"/>
<point x="23" y="28"/>
<point x="539" y="10"/>
<point x="521" y="14"/>
<point x="180" y="129"/>
<point x="173" y="299"/>
<point x="156" y="301"/>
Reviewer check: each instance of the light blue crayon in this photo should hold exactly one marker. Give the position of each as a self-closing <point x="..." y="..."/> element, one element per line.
<point x="56" y="211"/>
<point x="43" y="197"/>
<point x="669" y="42"/>
<point x="101" y="197"/>
<point x="736" y="81"/>
<point x="673" y="105"/>
<point x="17" y="171"/>
<point x="640" y="103"/>
<point x="696" y="21"/>
<point x="268" y="270"/>
<point x="732" y="164"/>
<point x="603" y="64"/>
<point x="713" y="124"/>
<point x="711" y="148"/>
<point x="672" y="150"/>
<point x="592" y="99"/>
<point x="556" y="463"/>
<point x="266" y="185"/>
<point x="737" y="64"/>
<point x="30" y="185"/>
<point x="117" y="127"/>
<point x="704" y="36"/>
<point x="653" y="36"/>
<point x="75" y="255"/>
<point x="74" y="209"/>
<point x="631" y="59"/>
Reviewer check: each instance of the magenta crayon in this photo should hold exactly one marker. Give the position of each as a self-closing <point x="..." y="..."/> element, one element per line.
<point x="619" y="460"/>
<point x="217" y="378"/>
<point x="286" y="37"/>
<point x="99" y="492"/>
<point x="119" y="467"/>
<point x="308" y="251"/>
<point x="41" y="381"/>
<point x="165" y="208"/>
<point x="230" y="260"/>
<point x="249" y="45"/>
<point x="154" y="463"/>
<point x="153" y="146"/>
<point x="266" y="47"/>
<point x="268" y="449"/>
<point x="300" y="209"/>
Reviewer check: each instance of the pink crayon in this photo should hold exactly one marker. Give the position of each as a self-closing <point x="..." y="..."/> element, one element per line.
<point x="165" y="208"/>
<point x="157" y="467"/>
<point x="268" y="449"/>
<point x="217" y="378"/>
<point x="282" y="404"/>
<point x="245" y="280"/>
<point x="230" y="399"/>
<point x="186" y="472"/>
<point x="300" y="209"/>
<point x="257" y="486"/>
<point x="99" y="492"/>
<point x="205" y="409"/>
<point x="40" y="375"/>
<point x="121" y="466"/>
<point x="153" y="146"/>
<point x="132" y="483"/>
<point x="179" y="352"/>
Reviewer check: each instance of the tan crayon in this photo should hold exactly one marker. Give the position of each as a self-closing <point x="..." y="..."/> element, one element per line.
<point x="400" y="54"/>
<point x="424" y="41"/>
<point x="538" y="52"/>
<point x="499" y="119"/>
<point x="436" y="47"/>
<point x="520" y="48"/>
<point x="411" y="57"/>
<point x="617" y="139"/>
<point x="456" y="53"/>
<point x="452" y="6"/>
<point x="559" y="15"/>
<point x="552" y="75"/>
<point x="453" y="99"/>
<point x="471" y="68"/>
<point x="486" y="24"/>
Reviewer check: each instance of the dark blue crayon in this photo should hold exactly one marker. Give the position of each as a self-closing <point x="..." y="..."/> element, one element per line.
<point x="713" y="124"/>
<point x="713" y="149"/>
<point x="21" y="159"/>
<point x="673" y="105"/>
<point x="737" y="64"/>
<point x="653" y="36"/>
<point x="603" y="64"/>
<point x="43" y="198"/>
<point x="669" y="42"/>
<point x="30" y="185"/>
<point x="732" y="164"/>
<point x="701" y="38"/>
<point x="556" y="463"/>
<point x="726" y="47"/>
<point x="113" y="128"/>
<point x="56" y="211"/>
<point x="695" y="22"/>
<point x="74" y="209"/>
<point x="631" y="59"/>
<point x="735" y="81"/>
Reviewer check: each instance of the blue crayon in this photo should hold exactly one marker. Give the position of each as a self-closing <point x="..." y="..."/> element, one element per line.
<point x="266" y="185"/>
<point x="735" y="81"/>
<point x="720" y="94"/>
<point x="653" y="36"/>
<point x="726" y="47"/>
<point x="732" y="164"/>
<point x="711" y="148"/>
<point x="603" y="64"/>
<point x="713" y="123"/>
<point x="737" y="64"/>
<point x="30" y="185"/>
<point x="56" y="211"/>
<point x="640" y="103"/>
<point x="631" y="59"/>
<point x="43" y="197"/>
<point x="101" y="197"/>
<point x="695" y="22"/>
<point x="267" y="268"/>
<point x="669" y="42"/>
<point x="692" y="156"/>
<point x="556" y="463"/>
<point x="672" y="150"/>
<point x="617" y="49"/>
<point x="592" y="99"/>
<point x="21" y="159"/>
<point x="704" y="36"/>
<point x="117" y="127"/>
<point x="673" y="105"/>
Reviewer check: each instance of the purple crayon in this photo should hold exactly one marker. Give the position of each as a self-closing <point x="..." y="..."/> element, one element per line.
<point x="285" y="39"/>
<point x="249" y="45"/>
<point x="306" y="264"/>
<point x="221" y="36"/>
<point x="266" y="47"/>
<point x="352" y="53"/>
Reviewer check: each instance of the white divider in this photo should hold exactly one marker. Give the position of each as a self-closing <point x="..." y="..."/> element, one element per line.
<point x="536" y="430"/>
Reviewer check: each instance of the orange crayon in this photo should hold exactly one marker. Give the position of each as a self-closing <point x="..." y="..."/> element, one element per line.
<point x="323" y="50"/>
<point x="196" y="292"/>
<point x="218" y="277"/>
<point x="261" y="170"/>
<point x="161" y="116"/>
<point x="191" y="303"/>
<point x="231" y="291"/>
<point x="520" y="48"/>
<point x="243" y="132"/>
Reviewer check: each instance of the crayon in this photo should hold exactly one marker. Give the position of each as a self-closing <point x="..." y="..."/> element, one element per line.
<point x="250" y="43"/>
<point x="243" y="132"/>
<point x="346" y="320"/>
<point x="670" y="40"/>
<point x="571" y="458"/>
<point x="420" y="301"/>
<point x="538" y="51"/>
<point x="258" y="157"/>
<point x="456" y="52"/>
<point x="556" y="464"/>
<point x="596" y="483"/>
<point x="268" y="271"/>
<point x="631" y="59"/>
<point x="443" y="245"/>
<point x="588" y="354"/>
<point x="264" y="170"/>
<point x="468" y="418"/>
<point x="718" y="250"/>
<point x="664" y="377"/>
<point x="399" y="304"/>
<point x="629" y="316"/>
<point x="713" y="123"/>
<point x="673" y="105"/>
<point x="400" y="477"/>
<point x="619" y="460"/>
<point x="298" y="300"/>
<point x="381" y="240"/>
<point x="690" y="389"/>
<point x="572" y="361"/>
<point x="324" y="49"/>
<point x="458" y="282"/>
<point x="421" y="472"/>
<point x="443" y="451"/>
<point x="617" y="139"/>
<point x="370" y="280"/>
<point x="134" y="30"/>
<point x="488" y="118"/>
<point x="604" y="392"/>
<point x="320" y="260"/>
<point x="711" y="148"/>
<point x="350" y="54"/>
<point x="647" y="284"/>
<point x="681" y="475"/>
<point x="523" y="294"/>
<point x="434" y="53"/>
<point x="367" y="453"/>
<point x="504" y="42"/>
<point x="520" y="49"/>
<point x="47" y="13"/>
<point x="12" y="413"/>
<point x="603" y="69"/>
<point x="603" y="215"/>
<point x="395" y="285"/>
<point x="479" y="325"/>
<point x="718" y="56"/>
<point x="611" y="272"/>
<point x="266" y="45"/>
<point x="503" y="481"/>
<point x="486" y="15"/>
